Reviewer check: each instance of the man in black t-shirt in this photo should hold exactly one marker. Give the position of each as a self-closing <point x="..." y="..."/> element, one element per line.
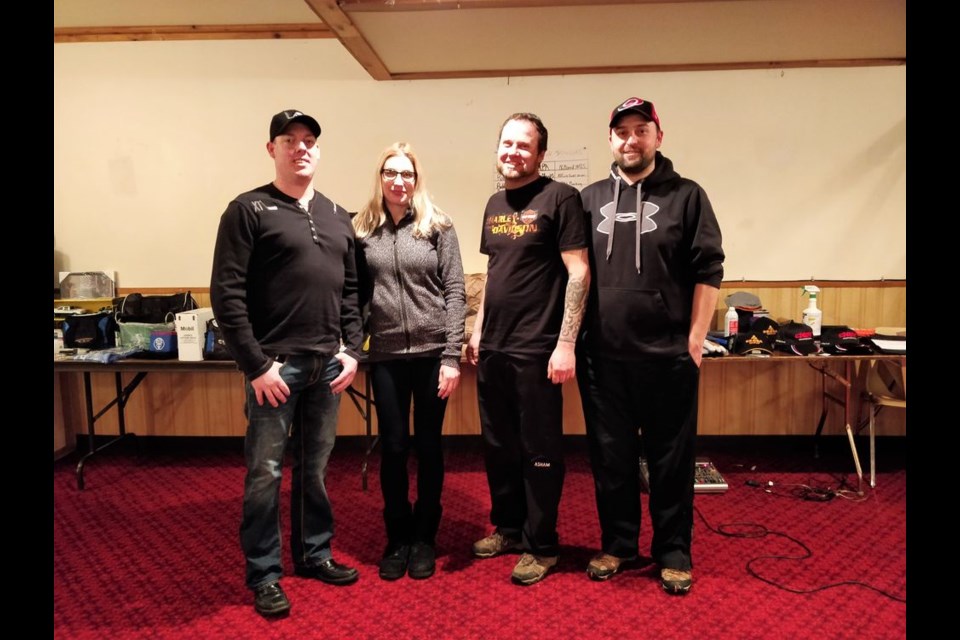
<point x="523" y="345"/>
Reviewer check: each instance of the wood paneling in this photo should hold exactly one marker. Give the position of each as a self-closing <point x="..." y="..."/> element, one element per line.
<point x="177" y="404"/>
<point x="64" y="440"/>
<point x="756" y="397"/>
<point x="761" y="397"/>
<point x="860" y="305"/>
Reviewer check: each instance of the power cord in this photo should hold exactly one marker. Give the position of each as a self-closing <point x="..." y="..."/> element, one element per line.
<point x="808" y="492"/>
<point x="753" y="530"/>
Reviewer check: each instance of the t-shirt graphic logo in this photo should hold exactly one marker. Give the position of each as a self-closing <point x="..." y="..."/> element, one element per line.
<point x="513" y="225"/>
<point x="610" y="216"/>
<point x="258" y="206"/>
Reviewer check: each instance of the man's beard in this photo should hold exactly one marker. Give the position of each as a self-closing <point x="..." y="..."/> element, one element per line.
<point x="638" y="166"/>
<point x="517" y="173"/>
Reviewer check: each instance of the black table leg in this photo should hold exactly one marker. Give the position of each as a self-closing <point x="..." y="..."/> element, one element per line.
<point x="123" y="394"/>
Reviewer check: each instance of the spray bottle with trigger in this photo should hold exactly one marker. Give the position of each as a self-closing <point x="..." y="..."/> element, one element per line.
<point x="812" y="316"/>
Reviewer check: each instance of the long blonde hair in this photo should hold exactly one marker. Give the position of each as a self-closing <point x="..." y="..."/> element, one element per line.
<point x="427" y="217"/>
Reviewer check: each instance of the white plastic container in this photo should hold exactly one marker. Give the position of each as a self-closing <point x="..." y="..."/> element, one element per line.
<point x="731" y="323"/>
<point x="812" y="316"/>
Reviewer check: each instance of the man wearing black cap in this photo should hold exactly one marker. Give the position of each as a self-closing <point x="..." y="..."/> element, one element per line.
<point x="284" y="292"/>
<point x="657" y="263"/>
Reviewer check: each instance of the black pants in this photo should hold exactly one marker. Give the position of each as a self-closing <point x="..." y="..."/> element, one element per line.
<point x="655" y="397"/>
<point x="521" y="418"/>
<point x="395" y="384"/>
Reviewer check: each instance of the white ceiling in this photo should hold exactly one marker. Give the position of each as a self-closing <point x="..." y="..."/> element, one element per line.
<point x="433" y="38"/>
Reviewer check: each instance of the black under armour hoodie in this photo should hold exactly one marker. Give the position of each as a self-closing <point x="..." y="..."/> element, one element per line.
<point x="641" y="290"/>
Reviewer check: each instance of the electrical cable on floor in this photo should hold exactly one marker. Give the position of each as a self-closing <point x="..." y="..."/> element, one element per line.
<point x="809" y="492"/>
<point x="753" y="530"/>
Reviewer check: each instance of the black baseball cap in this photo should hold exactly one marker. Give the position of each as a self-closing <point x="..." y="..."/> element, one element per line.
<point x="635" y="105"/>
<point x="753" y="343"/>
<point x="841" y="339"/>
<point x="285" y="118"/>
<point x="767" y="326"/>
<point x="797" y="337"/>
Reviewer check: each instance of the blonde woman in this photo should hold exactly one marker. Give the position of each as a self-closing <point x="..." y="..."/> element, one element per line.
<point x="412" y="278"/>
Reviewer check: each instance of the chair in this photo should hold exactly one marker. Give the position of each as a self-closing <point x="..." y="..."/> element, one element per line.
<point x="883" y="383"/>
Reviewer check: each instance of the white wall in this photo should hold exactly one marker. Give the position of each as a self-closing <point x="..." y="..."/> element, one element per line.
<point x="806" y="168"/>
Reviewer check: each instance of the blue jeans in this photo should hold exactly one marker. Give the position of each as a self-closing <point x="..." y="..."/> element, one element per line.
<point x="309" y="418"/>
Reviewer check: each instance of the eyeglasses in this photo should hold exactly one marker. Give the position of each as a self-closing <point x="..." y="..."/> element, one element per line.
<point x="391" y="174"/>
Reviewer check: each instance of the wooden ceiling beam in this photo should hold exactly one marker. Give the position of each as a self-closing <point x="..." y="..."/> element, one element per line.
<point x="350" y="37"/>
<point x="651" y="68"/>
<point x="351" y="6"/>
<point x="192" y="32"/>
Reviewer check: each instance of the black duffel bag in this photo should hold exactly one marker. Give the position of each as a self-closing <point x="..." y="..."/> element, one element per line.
<point x="136" y="307"/>
<point x="90" y="330"/>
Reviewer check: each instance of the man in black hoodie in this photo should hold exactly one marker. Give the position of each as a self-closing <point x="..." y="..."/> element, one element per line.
<point x="656" y="263"/>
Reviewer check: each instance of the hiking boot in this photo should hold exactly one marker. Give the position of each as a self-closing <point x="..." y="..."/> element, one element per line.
<point x="675" y="581"/>
<point x="531" y="568"/>
<point x="493" y="545"/>
<point x="603" y="565"/>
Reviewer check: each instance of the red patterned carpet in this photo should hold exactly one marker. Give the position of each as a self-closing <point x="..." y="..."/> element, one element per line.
<point x="150" y="550"/>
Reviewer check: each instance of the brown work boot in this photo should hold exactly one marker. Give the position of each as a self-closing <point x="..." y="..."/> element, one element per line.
<point x="531" y="568"/>
<point x="493" y="545"/>
<point x="675" y="581"/>
<point x="603" y="565"/>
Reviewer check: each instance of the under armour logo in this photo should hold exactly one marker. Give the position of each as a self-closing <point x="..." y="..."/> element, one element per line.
<point x="610" y="216"/>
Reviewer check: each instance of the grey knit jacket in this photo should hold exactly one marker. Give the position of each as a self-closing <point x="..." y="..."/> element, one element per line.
<point x="414" y="289"/>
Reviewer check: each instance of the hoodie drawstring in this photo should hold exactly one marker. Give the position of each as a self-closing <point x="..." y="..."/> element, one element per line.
<point x="639" y="224"/>
<point x="613" y="227"/>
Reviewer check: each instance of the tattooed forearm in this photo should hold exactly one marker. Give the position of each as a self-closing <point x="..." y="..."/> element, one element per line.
<point x="575" y="303"/>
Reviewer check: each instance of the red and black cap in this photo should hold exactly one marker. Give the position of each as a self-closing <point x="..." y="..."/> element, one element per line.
<point x="639" y="106"/>
<point x="841" y="339"/>
<point x="796" y="337"/>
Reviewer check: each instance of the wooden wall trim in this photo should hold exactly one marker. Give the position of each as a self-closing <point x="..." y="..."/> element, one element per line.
<point x="192" y="32"/>
<point x="122" y="291"/>
<point x="726" y="284"/>
<point x="434" y="5"/>
<point x="653" y="68"/>
<point x="823" y="284"/>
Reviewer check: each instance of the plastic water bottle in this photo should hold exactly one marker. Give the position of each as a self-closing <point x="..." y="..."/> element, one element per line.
<point x="731" y="323"/>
